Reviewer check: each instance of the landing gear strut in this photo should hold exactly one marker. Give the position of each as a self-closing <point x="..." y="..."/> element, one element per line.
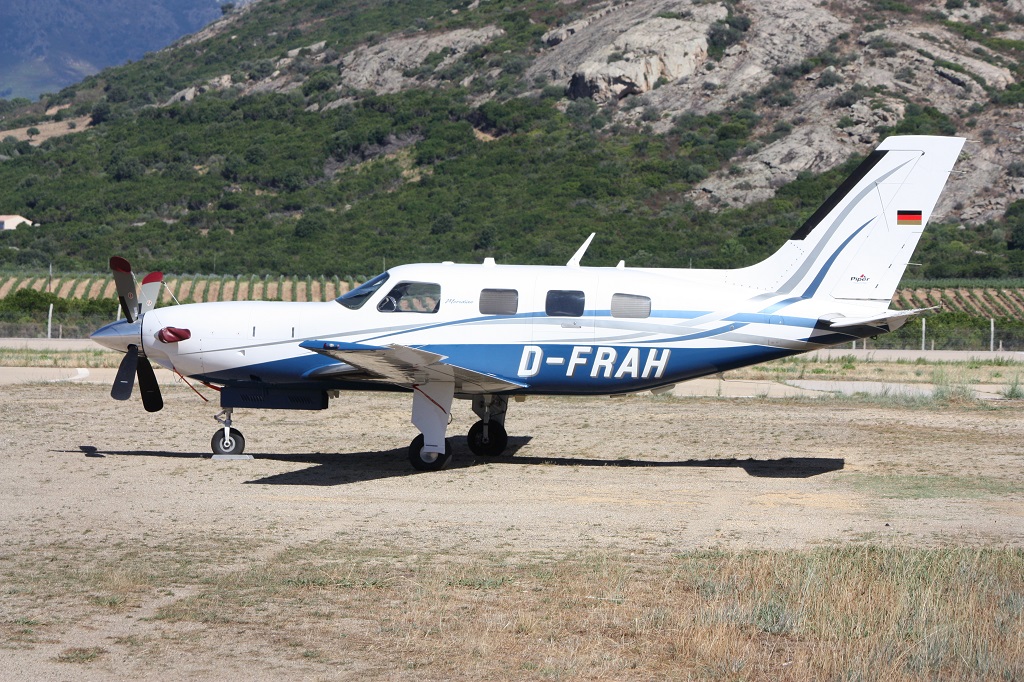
<point x="487" y="437"/>
<point x="227" y="441"/>
<point x="431" y="411"/>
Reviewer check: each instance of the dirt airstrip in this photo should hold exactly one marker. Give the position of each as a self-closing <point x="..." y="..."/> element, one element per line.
<point x="87" y="478"/>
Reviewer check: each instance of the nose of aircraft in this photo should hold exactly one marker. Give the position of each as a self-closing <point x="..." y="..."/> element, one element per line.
<point x="119" y="335"/>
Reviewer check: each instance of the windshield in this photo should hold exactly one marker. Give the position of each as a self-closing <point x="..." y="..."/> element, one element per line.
<point x="355" y="299"/>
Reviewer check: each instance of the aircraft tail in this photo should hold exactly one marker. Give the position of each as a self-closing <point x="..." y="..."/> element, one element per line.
<point x="857" y="245"/>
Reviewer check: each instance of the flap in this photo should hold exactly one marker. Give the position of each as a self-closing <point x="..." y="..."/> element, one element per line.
<point x="409" y="366"/>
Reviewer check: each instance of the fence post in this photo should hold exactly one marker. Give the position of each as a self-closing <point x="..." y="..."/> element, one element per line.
<point x="924" y="327"/>
<point x="992" y="335"/>
<point x="49" y="321"/>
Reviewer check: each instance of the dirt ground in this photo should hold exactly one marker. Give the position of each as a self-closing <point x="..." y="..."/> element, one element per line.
<point x="639" y="475"/>
<point x="48" y="130"/>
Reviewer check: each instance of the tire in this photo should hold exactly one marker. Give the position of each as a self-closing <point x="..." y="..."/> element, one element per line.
<point x="497" y="439"/>
<point x="237" y="444"/>
<point x="416" y="458"/>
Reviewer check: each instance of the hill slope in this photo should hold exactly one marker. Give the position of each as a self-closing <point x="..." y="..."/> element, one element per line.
<point x="305" y="137"/>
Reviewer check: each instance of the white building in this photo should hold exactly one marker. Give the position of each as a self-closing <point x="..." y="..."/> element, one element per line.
<point x="11" y="222"/>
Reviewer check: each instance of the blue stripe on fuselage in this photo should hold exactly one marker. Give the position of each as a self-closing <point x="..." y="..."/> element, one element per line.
<point x="598" y="371"/>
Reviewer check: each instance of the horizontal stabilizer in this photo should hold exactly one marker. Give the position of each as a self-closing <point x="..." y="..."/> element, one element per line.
<point x="407" y="366"/>
<point x="893" y="319"/>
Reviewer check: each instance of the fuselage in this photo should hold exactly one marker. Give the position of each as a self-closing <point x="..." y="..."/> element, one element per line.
<point x="554" y="330"/>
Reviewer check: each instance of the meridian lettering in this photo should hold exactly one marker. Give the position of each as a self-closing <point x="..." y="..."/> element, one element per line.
<point x="601" y="363"/>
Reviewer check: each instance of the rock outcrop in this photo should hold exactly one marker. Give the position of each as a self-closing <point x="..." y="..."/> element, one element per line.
<point x="628" y="49"/>
<point x="382" y="67"/>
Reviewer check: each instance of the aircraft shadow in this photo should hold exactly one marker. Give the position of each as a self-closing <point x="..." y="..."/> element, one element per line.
<point x="783" y="467"/>
<point x="353" y="467"/>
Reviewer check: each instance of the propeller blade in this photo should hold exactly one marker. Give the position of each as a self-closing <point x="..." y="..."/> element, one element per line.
<point x="125" y="283"/>
<point x="150" y="389"/>
<point x="124" y="381"/>
<point x="150" y="291"/>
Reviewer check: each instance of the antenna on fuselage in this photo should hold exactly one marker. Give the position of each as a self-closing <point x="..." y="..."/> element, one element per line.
<point x="574" y="262"/>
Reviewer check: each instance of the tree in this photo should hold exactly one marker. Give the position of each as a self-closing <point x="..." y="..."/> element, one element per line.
<point x="32" y="132"/>
<point x="100" y="112"/>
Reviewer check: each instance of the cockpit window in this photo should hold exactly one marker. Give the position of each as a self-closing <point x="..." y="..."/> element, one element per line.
<point x="355" y="299"/>
<point x="412" y="297"/>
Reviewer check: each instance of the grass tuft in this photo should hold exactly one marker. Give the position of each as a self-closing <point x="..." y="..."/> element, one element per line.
<point x="80" y="654"/>
<point x="1013" y="390"/>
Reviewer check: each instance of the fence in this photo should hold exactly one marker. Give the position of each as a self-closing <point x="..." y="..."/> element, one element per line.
<point x="960" y="333"/>
<point x="61" y="327"/>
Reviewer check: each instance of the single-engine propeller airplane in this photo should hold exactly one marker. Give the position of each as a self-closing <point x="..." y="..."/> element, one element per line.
<point x="489" y="332"/>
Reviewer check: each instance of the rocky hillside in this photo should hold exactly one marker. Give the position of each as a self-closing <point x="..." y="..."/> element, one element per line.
<point x="826" y="79"/>
<point x="671" y="112"/>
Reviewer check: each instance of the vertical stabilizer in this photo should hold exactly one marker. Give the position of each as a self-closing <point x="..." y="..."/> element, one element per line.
<point x="859" y="242"/>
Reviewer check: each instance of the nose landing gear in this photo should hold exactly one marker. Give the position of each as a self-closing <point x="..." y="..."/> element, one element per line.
<point x="227" y="441"/>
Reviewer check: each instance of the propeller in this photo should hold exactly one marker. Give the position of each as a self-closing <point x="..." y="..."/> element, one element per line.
<point x="135" y="363"/>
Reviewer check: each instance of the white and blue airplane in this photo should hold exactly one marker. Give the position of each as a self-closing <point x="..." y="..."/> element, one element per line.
<point x="489" y="332"/>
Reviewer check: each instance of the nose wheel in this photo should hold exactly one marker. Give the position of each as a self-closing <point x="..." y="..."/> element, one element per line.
<point x="232" y="443"/>
<point x="227" y="441"/>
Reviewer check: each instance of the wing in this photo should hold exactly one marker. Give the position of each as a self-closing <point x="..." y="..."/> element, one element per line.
<point x="893" y="319"/>
<point x="408" y="366"/>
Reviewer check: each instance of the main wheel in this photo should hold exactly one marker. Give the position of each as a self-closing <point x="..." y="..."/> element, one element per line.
<point x="234" y="444"/>
<point x="493" y="445"/>
<point x="428" y="461"/>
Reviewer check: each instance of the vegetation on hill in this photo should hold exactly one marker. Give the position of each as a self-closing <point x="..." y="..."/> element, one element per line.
<point x="485" y="164"/>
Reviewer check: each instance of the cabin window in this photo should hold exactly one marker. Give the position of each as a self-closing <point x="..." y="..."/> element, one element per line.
<point x="412" y="297"/>
<point x="355" y="299"/>
<point x="630" y="305"/>
<point x="499" y="302"/>
<point x="564" y="303"/>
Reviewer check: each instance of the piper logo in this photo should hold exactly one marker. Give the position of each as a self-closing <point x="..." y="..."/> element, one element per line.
<point x="862" y="278"/>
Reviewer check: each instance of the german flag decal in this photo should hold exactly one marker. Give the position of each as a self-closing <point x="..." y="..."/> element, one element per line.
<point x="908" y="217"/>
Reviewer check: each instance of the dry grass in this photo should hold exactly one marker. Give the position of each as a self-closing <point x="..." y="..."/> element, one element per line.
<point x="851" y="368"/>
<point x="23" y="357"/>
<point x="859" y="613"/>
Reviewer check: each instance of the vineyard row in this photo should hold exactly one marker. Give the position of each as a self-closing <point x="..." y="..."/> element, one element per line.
<point x="190" y="289"/>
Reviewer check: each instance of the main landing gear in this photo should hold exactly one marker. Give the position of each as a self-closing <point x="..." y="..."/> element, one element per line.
<point x="431" y="402"/>
<point x="429" y="460"/>
<point x="488" y="438"/>
<point x="227" y="441"/>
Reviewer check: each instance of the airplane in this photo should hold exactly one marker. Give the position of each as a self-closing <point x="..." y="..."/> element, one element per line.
<point x="489" y="332"/>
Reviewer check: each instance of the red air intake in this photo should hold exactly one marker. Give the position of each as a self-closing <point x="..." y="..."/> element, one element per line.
<point x="173" y="334"/>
